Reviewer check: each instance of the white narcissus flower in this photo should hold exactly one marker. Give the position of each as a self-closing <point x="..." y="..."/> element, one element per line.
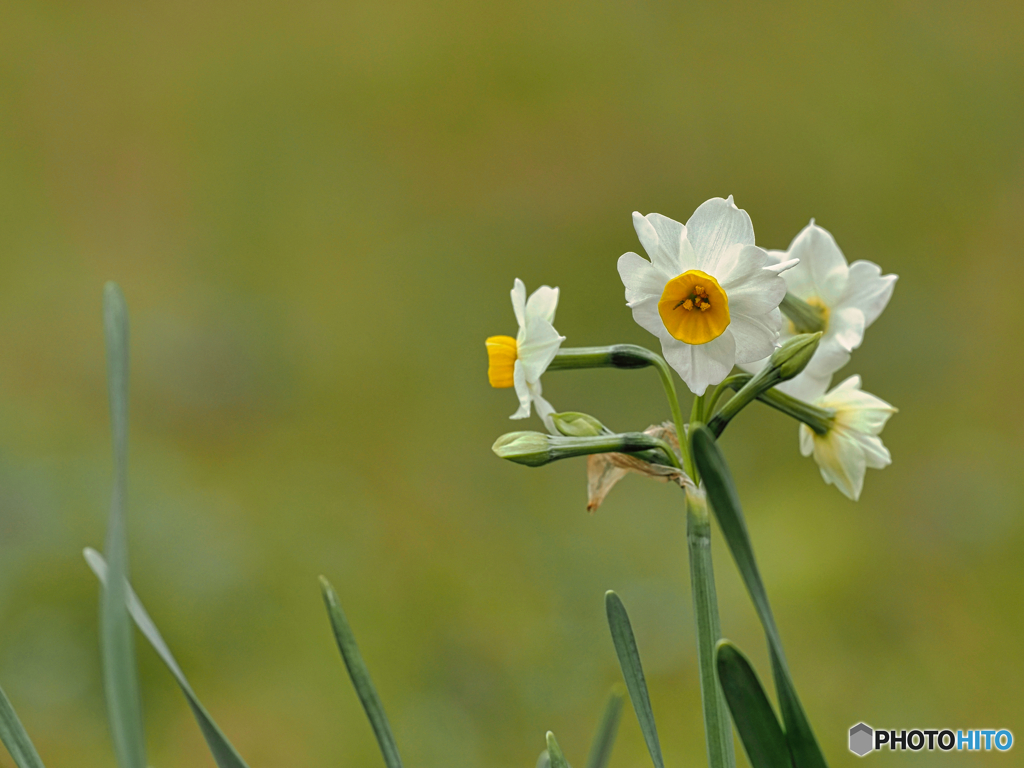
<point x="708" y="293"/>
<point x="852" y="444"/>
<point x="848" y="298"/>
<point x="519" y="362"/>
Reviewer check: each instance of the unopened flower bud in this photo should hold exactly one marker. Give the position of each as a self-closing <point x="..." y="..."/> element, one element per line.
<point x="575" y="424"/>
<point x="793" y="356"/>
<point x="529" y="448"/>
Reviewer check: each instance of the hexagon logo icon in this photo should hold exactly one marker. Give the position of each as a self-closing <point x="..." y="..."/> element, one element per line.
<point x="861" y="739"/>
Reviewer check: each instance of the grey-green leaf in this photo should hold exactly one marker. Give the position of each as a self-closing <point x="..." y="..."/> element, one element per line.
<point x="604" y="739"/>
<point x="117" y="645"/>
<point x="360" y="676"/>
<point x="13" y="735"/>
<point x="224" y="754"/>
<point x="752" y="713"/>
<point x="632" y="671"/>
<point x="725" y="504"/>
<point x="555" y="756"/>
<point x="543" y="760"/>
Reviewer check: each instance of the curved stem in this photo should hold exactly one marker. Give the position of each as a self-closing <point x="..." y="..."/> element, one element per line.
<point x="665" y="374"/>
<point x="734" y="382"/>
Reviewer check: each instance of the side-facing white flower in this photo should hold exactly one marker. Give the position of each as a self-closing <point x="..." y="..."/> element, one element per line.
<point x="519" y="362"/>
<point x="852" y="443"/>
<point x="847" y="298"/>
<point x="708" y="293"/>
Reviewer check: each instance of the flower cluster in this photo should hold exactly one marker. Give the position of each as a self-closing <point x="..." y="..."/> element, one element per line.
<point x="717" y="302"/>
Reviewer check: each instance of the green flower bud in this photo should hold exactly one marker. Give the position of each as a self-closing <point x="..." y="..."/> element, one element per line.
<point x="793" y="356"/>
<point x="575" y="424"/>
<point x="529" y="448"/>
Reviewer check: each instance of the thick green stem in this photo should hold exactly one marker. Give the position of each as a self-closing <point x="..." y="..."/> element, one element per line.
<point x="818" y="419"/>
<point x="717" y="724"/>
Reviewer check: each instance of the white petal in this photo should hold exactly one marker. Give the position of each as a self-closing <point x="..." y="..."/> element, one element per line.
<point x="522" y="391"/>
<point x="544" y="409"/>
<point x="702" y="364"/>
<point x="752" y="288"/>
<point x="645" y="313"/>
<point x="876" y="455"/>
<point x="756" y="366"/>
<point x="755" y="336"/>
<point x="806" y="440"/>
<point x="868" y="290"/>
<point x="807" y="385"/>
<point x="849" y="383"/>
<point x="641" y="278"/>
<point x="519" y="302"/>
<point x="782" y="266"/>
<point x="542" y="303"/>
<point x="842" y="462"/>
<point x="715" y="226"/>
<point x="538" y="348"/>
<point x="665" y="241"/>
<point x="846" y="326"/>
<point x="822" y="272"/>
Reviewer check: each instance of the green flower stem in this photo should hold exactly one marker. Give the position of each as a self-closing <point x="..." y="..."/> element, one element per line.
<point x="630" y="356"/>
<point x="734" y="382"/>
<point x="717" y="724"/>
<point x="535" y="449"/>
<point x="818" y="419"/>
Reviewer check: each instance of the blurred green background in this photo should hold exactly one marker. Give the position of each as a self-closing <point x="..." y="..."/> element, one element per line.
<point x="316" y="211"/>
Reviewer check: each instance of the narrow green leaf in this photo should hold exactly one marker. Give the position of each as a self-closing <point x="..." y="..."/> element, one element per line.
<point x="633" y="672"/>
<point x="544" y="761"/>
<point x="755" y="719"/>
<point x="13" y="735"/>
<point x="555" y="756"/>
<point x="117" y="646"/>
<point x="604" y="739"/>
<point x="360" y="676"/>
<point x="725" y="504"/>
<point x="223" y="752"/>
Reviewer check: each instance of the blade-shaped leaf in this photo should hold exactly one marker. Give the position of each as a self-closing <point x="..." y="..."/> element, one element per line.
<point x="543" y="760"/>
<point x="725" y="504"/>
<point x="117" y="645"/>
<point x="555" y="756"/>
<point x="223" y="752"/>
<point x="360" y="676"/>
<point x="633" y="672"/>
<point x="604" y="739"/>
<point x="755" y="719"/>
<point x="13" y="735"/>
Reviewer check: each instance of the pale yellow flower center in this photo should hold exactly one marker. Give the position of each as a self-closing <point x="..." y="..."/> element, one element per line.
<point x="501" y="360"/>
<point x="820" y="308"/>
<point x="694" y="308"/>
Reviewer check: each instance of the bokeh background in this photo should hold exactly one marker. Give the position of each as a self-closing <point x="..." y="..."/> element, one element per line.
<point x="316" y="211"/>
